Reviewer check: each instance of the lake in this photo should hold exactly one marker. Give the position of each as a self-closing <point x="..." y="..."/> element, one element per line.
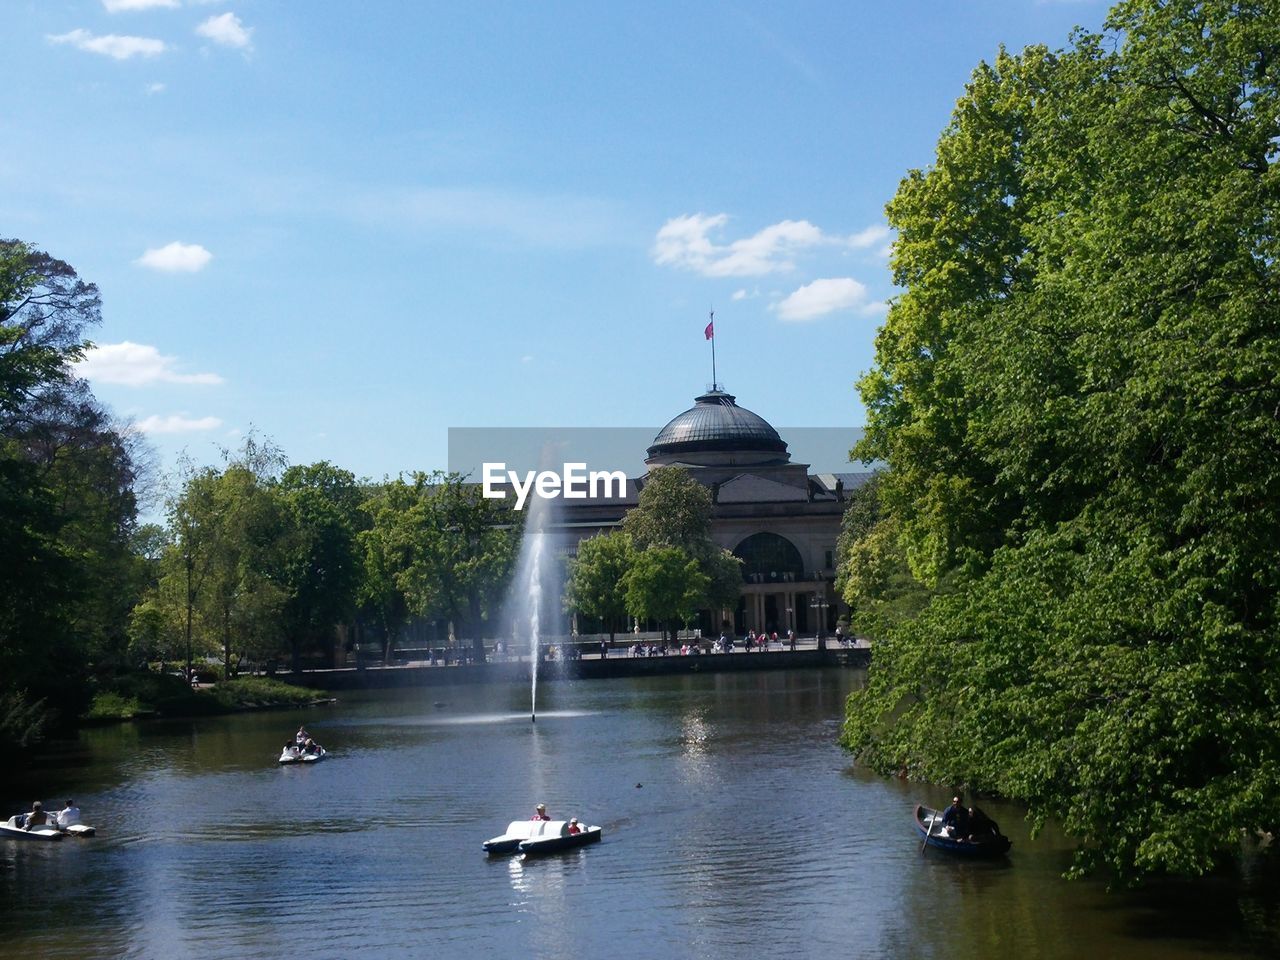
<point x="734" y="826"/>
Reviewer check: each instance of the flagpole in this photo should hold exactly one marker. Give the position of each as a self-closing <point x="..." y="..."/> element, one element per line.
<point x="712" y="318"/>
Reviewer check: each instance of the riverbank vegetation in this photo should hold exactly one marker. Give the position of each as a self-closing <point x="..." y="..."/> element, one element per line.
<point x="1072" y="562"/>
<point x="137" y="695"/>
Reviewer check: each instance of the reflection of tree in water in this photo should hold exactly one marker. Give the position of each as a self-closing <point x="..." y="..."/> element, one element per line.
<point x="1022" y="906"/>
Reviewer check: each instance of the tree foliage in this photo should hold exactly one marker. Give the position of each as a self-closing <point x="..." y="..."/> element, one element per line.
<point x="1078" y="396"/>
<point x="664" y="584"/>
<point x="67" y="484"/>
<point x="461" y="549"/>
<point x="673" y="510"/>
<point x="594" y="587"/>
<point x="320" y="566"/>
<point x="387" y="554"/>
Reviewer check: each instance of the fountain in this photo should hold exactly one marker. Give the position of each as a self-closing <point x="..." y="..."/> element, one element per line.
<point x="536" y="588"/>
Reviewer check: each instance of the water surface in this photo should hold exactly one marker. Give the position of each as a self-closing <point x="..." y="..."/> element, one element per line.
<point x="733" y="827"/>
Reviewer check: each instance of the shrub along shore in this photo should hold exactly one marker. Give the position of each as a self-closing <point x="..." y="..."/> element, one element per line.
<point x="144" y="695"/>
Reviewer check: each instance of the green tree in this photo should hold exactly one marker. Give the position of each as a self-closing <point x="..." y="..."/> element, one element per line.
<point x="320" y="565"/>
<point x="190" y="558"/>
<point x="463" y="548"/>
<point x="243" y="598"/>
<point x="66" y="478"/>
<point x="1076" y="395"/>
<point x="387" y="554"/>
<point x="673" y="510"/>
<point x="724" y="580"/>
<point x="664" y="584"/>
<point x="44" y="310"/>
<point x="594" y="586"/>
<point x="872" y="573"/>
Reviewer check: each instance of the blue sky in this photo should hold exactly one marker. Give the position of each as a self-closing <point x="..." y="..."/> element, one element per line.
<point x="355" y="225"/>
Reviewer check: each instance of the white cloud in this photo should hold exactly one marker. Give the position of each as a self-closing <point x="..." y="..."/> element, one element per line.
<point x="685" y="242"/>
<point x="176" y="258"/>
<point x="117" y="6"/>
<point x="227" y="30"/>
<point x="745" y="294"/>
<point x="527" y="358"/>
<point x="868" y="237"/>
<point x="111" y="45"/>
<point x="821" y="297"/>
<point x="177" y="423"/>
<point x="155" y="88"/>
<point x="136" y="365"/>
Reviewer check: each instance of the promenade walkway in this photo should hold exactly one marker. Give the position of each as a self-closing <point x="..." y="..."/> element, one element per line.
<point x="620" y="662"/>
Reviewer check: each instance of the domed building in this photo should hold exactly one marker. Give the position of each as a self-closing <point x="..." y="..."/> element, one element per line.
<point x="780" y="519"/>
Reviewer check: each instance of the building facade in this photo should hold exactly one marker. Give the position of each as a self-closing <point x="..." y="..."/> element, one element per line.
<point x="780" y="519"/>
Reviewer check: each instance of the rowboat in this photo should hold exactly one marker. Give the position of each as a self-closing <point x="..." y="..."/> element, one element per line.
<point x="536" y="837"/>
<point x="991" y="843"/>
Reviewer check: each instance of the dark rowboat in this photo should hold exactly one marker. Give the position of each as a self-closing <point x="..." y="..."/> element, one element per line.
<point x="934" y="834"/>
<point x="536" y="837"/>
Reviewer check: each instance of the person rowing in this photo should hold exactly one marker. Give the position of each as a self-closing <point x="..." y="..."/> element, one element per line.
<point x="955" y="819"/>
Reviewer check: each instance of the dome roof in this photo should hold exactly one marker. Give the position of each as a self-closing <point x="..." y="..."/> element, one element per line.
<point x="716" y="423"/>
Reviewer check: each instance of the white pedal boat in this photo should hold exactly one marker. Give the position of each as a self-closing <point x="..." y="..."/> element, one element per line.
<point x="289" y="755"/>
<point x="534" y="837"/>
<point x="10" y="830"/>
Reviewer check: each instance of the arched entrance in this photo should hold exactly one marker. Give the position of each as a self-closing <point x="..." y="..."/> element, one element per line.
<point x="768" y="558"/>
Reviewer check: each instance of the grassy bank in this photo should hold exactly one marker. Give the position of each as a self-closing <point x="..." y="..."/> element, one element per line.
<point x="140" y="695"/>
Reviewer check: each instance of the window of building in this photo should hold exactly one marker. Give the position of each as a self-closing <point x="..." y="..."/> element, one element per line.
<point x="767" y="558"/>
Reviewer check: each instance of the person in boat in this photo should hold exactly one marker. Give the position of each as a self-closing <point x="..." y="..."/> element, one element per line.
<point x="956" y="819"/>
<point x="36" y="818"/>
<point x="301" y="736"/>
<point x="982" y="827"/>
<point x="573" y="827"/>
<point x="69" y="815"/>
<point x="540" y="812"/>
<point x="310" y="747"/>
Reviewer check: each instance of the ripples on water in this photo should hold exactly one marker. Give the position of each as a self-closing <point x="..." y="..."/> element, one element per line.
<point x="733" y="827"/>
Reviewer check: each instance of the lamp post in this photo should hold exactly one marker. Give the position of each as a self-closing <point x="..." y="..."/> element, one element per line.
<point x="820" y="604"/>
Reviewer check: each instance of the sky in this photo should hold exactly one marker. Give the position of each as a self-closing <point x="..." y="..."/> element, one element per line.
<point x="351" y="226"/>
